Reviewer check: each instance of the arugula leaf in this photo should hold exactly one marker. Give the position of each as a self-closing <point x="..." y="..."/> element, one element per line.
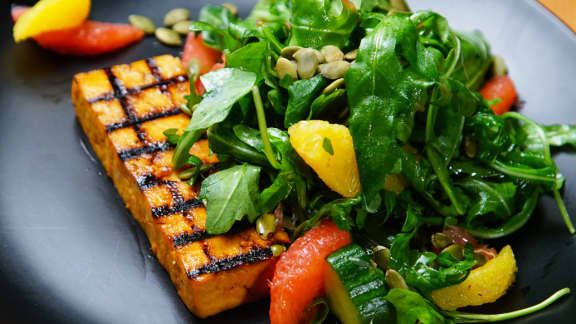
<point x="251" y="58"/>
<point x="412" y="308"/>
<point x="328" y="106"/>
<point x="222" y="140"/>
<point x="301" y="95"/>
<point x="327" y="146"/>
<point x="224" y="88"/>
<point x="172" y="135"/>
<point x="496" y="199"/>
<point x="217" y="20"/>
<point x="271" y="11"/>
<point x="385" y="85"/>
<point x="418" y="268"/>
<point x="560" y="135"/>
<point x="230" y="195"/>
<point x="316" y="23"/>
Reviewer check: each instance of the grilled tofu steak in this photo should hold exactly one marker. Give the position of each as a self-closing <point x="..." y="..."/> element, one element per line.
<point x="124" y="111"/>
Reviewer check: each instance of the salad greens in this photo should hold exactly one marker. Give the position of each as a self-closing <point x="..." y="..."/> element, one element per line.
<point x="430" y="152"/>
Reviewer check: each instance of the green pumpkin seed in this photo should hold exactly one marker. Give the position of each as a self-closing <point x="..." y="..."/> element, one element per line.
<point x="320" y="56"/>
<point x="176" y="15"/>
<point x="382" y="256"/>
<point x="143" y="23"/>
<point x="286" y="67"/>
<point x="182" y="27"/>
<point x="266" y="225"/>
<point x="332" y="53"/>
<point x="333" y="86"/>
<point x="441" y="240"/>
<point x="168" y="36"/>
<point x="334" y="70"/>
<point x="394" y="279"/>
<point x="456" y="250"/>
<point x="470" y="147"/>
<point x="480" y="259"/>
<point x="399" y="6"/>
<point x="277" y="249"/>
<point x="307" y="63"/>
<point x="288" y="52"/>
<point x="231" y="7"/>
<point x="351" y="56"/>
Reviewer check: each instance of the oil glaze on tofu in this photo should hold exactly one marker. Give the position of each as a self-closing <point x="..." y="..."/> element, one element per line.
<point x="124" y="111"/>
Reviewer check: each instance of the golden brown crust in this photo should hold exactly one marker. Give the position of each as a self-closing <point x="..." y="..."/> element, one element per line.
<point x="124" y="111"/>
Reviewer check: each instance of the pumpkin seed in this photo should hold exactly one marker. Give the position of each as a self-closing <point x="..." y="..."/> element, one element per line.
<point x="277" y="249"/>
<point x="193" y="69"/>
<point x="332" y="53"/>
<point x="456" y="250"/>
<point x="175" y="15"/>
<point x="333" y="86"/>
<point x="382" y="256"/>
<point x="351" y="56"/>
<point x="480" y="259"/>
<point x="394" y="279"/>
<point x="320" y="56"/>
<point x="231" y="7"/>
<point x="470" y="147"/>
<point x="143" y="23"/>
<point x="266" y="225"/>
<point x="399" y="6"/>
<point x="286" y="67"/>
<point x="334" y="70"/>
<point x="307" y="62"/>
<point x="168" y="36"/>
<point x="182" y="27"/>
<point x="441" y="240"/>
<point x="288" y="52"/>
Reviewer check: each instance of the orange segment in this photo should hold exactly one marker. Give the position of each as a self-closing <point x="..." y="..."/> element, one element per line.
<point x="328" y="149"/>
<point x="49" y="15"/>
<point x="484" y="284"/>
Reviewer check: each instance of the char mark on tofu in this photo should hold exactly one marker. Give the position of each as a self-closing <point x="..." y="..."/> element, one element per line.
<point x="124" y="111"/>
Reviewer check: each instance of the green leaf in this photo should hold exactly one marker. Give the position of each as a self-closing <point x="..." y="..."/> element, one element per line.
<point x="385" y="85"/>
<point x="412" y="308"/>
<point x="251" y="58"/>
<point x="271" y="11"/>
<point x="489" y="198"/>
<point x="222" y="140"/>
<point x="172" y="135"/>
<point x="224" y="88"/>
<point x="420" y="269"/>
<point x="560" y="135"/>
<point x="327" y="146"/>
<point x="316" y="23"/>
<point x="230" y="195"/>
<point x="328" y="106"/>
<point x="301" y="94"/>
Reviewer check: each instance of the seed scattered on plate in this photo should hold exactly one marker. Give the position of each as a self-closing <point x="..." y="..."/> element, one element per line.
<point x="168" y="36"/>
<point x="143" y="23"/>
<point x="182" y="27"/>
<point x="176" y="15"/>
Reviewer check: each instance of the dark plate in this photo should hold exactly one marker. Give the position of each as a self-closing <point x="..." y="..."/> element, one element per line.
<point x="71" y="253"/>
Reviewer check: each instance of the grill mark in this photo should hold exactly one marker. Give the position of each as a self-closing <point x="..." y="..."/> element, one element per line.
<point x="126" y="92"/>
<point x="162" y="211"/>
<point x="148" y="181"/>
<point x="200" y="235"/>
<point x="154" y="68"/>
<point x="130" y="123"/>
<point x="150" y="149"/>
<point x="255" y="255"/>
<point x="176" y="195"/>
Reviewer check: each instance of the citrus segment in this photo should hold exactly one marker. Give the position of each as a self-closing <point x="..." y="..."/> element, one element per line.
<point x="328" y="149"/>
<point x="49" y="15"/>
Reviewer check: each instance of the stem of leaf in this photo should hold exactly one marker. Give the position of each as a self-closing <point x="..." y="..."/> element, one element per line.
<point x="519" y="173"/>
<point x="460" y="317"/>
<point x="181" y="152"/>
<point x="264" y="128"/>
<point x="564" y="212"/>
